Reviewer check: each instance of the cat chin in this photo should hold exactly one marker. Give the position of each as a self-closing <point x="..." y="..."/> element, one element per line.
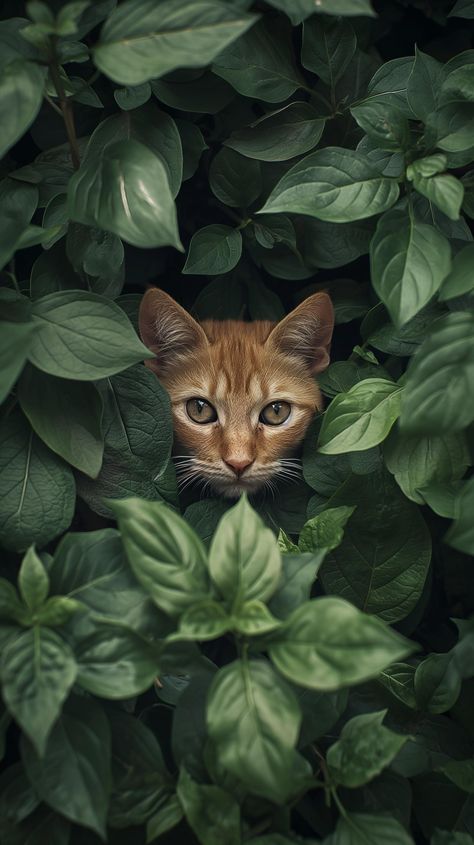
<point x="234" y="489"/>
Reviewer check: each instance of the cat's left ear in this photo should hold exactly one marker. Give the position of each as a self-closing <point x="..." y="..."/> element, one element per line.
<point x="306" y="332"/>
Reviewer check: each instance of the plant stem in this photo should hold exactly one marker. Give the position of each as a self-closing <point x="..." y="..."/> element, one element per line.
<point x="65" y="107"/>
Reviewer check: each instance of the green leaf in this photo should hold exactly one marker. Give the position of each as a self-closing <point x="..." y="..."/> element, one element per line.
<point x="33" y="580"/>
<point x="73" y="774"/>
<point x="167" y="817"/>
<point x="125" y="190"/>
<point x="212" y="813"/>
<point x="133" y="96"/>
<point x="244" y="559"/>
<point x="453" y="121"/>
<point x="365" y="829"/>
<point x="115" y="663"/>
<point x="18" y="202"/>
<point x="382" y="562"/>
<point x="418" y="461"/>
<point x="261" y="63"/>
<point x="440" y="381"/>
<point x="424" y="84"/>
<point x="360" y="418"/>
<point x="247" y="704"/>
<point x="21" y="95"/>
<point x="253" y="619"/>
<point x="204" y="620"/>
<point x="298" y="10"/>
<point x="437" y="683"/>
<point x="461" y="533"/>
<point x="165" y="554"/>
<point x="326" y="530"/>
<point x="203" y="92"/>
<point x="93" y="252"/>
<point x="409" y="261"/>
<point x="335" y="185"/>
<point x="445" y="191"/>
<point x="334" y="244"/>
<point x="138" y="436"/>
<point x="462" y="9"/>
<point x="385" y="124"/>
<point x="399" y="680"/>
<point x="327" y="644"/>
<point x="270" y="231"/>
<point x="14" y="346"/>
<point x="38" y="670"/>
<point x="234" y="180"/>
<point x="279" y="135"/>
<point x="364" y="748"/>
<point x="83" y="336"/>
<point x="214" y="249"/>
<point x="141" y="41"/>
<point x="66" y="415"/>
<point x="57" y="610"/>
<point x="299" y="571"/>
<point x="37" y="488"/>
<point x="442" y="497"/>
<point x="11" y="607"/>
<point x="460" y="772"/>
<point x="328" y="47"/>
<point x="460" y="280"/>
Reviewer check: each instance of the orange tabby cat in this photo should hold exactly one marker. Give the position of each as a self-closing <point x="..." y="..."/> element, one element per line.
<point x="242" y="394"/>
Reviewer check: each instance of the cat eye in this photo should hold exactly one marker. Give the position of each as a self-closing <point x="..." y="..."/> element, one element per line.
<point x="200" y="411"/>
<point x="275" y="413"/>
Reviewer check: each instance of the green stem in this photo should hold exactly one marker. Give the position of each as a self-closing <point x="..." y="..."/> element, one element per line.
<point x="338" y="803"/>
<point x="65" y="106"/>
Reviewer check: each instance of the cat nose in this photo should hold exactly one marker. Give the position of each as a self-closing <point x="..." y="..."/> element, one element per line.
<point x="238" y="466"/>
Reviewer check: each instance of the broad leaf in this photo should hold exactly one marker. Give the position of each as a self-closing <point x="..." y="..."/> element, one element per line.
<point x="233" y="179"/>
<point x="298" y="573"/>
<point x="335" y="185"/>
<point x="440" y="382"/>
<point x="73" y="774"/>
<point x="424" y="85"/>
<point x="18" y="201"/>
<point x="365" y="829"/>
<point x="212" y="813"/>
<point x="459" y="281"/>
<point x="38" y="670"/>
<point x="14" y="346"/>
<point x="83" y="336"/>
<point x="327" y="644"/>
<point x="328" y="47"/>
<point x="360" y="418"/>
<point x="141" y="41"/>
<point x="33" y="580"/>
<point x="385" y="124"/>
<point x="21" y="95"/>
<point x="462" y="9"/>
<point x="214" y="249"/>
<point x="418" y="461"/>
<point x="298" y="10"/>
<point x="66" y="415"/>
<point x="115" y="663"/>
<point x="364" y="748"/>
<point x="244" y="559"/>
<point x="409" y="261"/>
<point x="37" y="488"/>
<point x="165" y="554"/>
<point x="125" y="190"/>
<point x="461" y="533"/>
<point x="246" y="704"/>
<point x="437" y="683"/>
<point x="326" y="530"/>
<point x="279" y="135"/>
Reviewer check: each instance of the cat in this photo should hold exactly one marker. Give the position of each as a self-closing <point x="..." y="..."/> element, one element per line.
<point x="242" y="393"/>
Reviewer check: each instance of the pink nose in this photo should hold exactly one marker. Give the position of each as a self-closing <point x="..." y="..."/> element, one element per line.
<point x="239" y="466"/>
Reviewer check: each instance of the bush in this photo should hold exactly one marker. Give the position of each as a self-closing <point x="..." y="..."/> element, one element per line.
<point x="291" y="670"/>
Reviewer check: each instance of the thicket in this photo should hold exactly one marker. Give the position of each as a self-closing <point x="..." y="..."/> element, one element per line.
<point x="315" y="652"/>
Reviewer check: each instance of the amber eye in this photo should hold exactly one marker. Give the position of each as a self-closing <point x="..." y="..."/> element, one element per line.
<point x="201" y="411"/>
<point x="275" y="413"/>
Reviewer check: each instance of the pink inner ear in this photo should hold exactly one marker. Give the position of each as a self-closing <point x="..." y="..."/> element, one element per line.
<point x="320" y="360"/>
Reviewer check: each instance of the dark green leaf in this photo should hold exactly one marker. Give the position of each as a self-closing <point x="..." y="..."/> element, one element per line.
<point x="335" y="185"/>
<point x="326" y="530"/>
<point x="364" y="748"/>
<point x="298" y="10"/>
<point x="399" y="680"/>
<point x="115" y="663"/>
<point x="18" y="201"/>
<point x="365" y="829"/>
<point x="461" y="534"/>
<point x="424" y="84"/>
<point x="33" y="580"/>
<point x="298" y="574"/>
<point x="21" y="95"/>
<point x="212" y="813"/>
<point x="418" y="461"/>
<point x="165" y="819"/>
<point x="193" y="145"/>
<point x="385" y="124"/>
<point x="214" y="249"/>
<point x="327" y="643"/>
<point x="328" y="47"/>
<point x="233" y="179"/>
<point x="462" y="9"/>
<point x="437" y="683"/>
<point x="14" y="345"/>
<point x="460" y="279"/>
<point x="279" y="135"/>
<point x="133" y="96"/>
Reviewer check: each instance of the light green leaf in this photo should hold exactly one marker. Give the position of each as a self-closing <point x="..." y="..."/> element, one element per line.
<point x="115" y="662"/>
<point x="204" y="620"/>
<point x="437" y="683"/>
<point x="167" y="817"/>
<point x="37" y="488"/>
<point x="360" y="418"/>
<point x="445" y="191"/>
<point x="326" y="530"/>
<point x="244" y="559"/>
<point x="385" y="124"/>
<point x="418" y="461"/>
<point x="11" y="606"/>
<point x="66" y="415"/>
<point x="299" y="572"/>
<point x="247" y="704"/>
<point x="439" y="389"/>
<point x="279" y="135"/>
<point x="125" y="190"/>
<point x="253" y="619"/>
<point x="327" y="644"/>
<point x="73" y="775"/>
<point x="461" y="533"/>
<point x="261" y="63"/>
<point x="212" y="813"/>
<point x="461" y="278"/>
<point x="21" y="95"/>
<point x="453" y="121"/>
<point x="233" y="179"/>
<point x="364" y="748"/>
<point x="165" y="554"/>
<point x="33" y="580"/>
<point x="424" y="84"/>
<point x="335" y="185"/>
<point x="409" y="261"/>
<point x="214" y="249"/>
<point x="57" y="610"/>
<point x="38" y="670"/>
<point x="365" y="829"/>
<point x="141" y="41"/>
<point x="83" y="336"/>
<point x="443" y="498"/>
<point x="328" y="47"/>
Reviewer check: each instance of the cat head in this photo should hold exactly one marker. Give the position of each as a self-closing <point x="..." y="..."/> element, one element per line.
<point x="242" y="394"/>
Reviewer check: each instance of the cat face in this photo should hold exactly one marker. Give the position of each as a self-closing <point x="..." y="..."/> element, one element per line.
<point x="242" y="394"/>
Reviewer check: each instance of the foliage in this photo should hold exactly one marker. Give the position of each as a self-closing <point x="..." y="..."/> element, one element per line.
<point x="176" y="668"/>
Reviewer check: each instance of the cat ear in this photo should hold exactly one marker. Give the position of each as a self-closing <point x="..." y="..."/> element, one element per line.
<point x="167" y="330"/>
<point x="306" y="332"/>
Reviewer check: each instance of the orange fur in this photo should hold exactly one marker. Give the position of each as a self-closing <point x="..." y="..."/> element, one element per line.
<point x="239" y="368"/>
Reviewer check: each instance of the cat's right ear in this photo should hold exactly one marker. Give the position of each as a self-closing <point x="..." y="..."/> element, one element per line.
<point x="167" y="330"/>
